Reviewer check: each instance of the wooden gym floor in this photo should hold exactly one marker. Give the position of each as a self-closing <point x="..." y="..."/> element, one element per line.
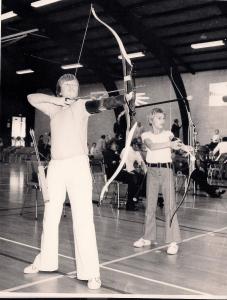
<point x="199" y="270"/>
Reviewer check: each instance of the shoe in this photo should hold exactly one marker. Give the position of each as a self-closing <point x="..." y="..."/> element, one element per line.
<point x="31" y="269"/>
<point x="142" y="243"/>
<point x="94" y="283"/>
<point x="173" y="248"/>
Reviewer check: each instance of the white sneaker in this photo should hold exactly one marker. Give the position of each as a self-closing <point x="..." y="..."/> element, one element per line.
<point x="31" y="269"/>
<point x="173" y="248"/>
<point x="94" y="283"/>
<point x="141" y="243"/>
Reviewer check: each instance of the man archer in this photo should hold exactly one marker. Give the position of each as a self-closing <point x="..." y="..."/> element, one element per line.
<point x="69" y="171"/>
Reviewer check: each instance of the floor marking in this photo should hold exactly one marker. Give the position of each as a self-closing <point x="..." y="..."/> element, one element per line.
<point x="161" y="247"/>
<point x="204" y="209"/>
<point x="103" y="265"/>
<point x="157" y="281"/>
<point x="23" y="286"/>
<point x="32" y="247"/>
<point x="128" y="256"/>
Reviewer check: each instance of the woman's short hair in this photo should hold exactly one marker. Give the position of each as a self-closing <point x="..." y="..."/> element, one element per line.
<point x="154" y="111"/>
<point x="62" y="79"/>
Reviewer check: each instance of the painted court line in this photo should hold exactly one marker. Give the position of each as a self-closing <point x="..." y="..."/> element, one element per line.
<point x="204" y="209"/>
<point x="104" y="264"/>
<point x="26" y="285"/>
<point x="32" y="247"/>
<point x="157" y="281"/>
<point x="161" y="247"/>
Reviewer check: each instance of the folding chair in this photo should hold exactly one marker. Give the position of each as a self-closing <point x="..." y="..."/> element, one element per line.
<point x="216" y="168"/>
<point x="114" y="190"/>
<point x="32" y="182"/>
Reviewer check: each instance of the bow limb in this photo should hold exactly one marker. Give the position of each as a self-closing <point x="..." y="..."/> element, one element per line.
<point x="122" y="48"/>
<point x="182" y="200"/>
<point x="127" y="146"/>
<point x="128" y="107"/>
<point x="192" y="167"/>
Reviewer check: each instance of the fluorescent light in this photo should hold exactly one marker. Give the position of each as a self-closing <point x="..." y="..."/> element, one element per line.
<point x="8" y="15"/>
<point x="43" y="2"/>
<point x="133" y="55"/>
<point x="208" y="44"/>
<point x="26" y="71"/>
<point x="19" y="34"/>
<point x="71" y="66"/>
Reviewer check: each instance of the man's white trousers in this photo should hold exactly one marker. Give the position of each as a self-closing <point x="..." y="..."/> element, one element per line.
<point x="71" y="175"/>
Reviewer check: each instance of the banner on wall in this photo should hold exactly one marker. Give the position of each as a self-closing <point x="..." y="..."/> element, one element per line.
<point x="218" y="94"/>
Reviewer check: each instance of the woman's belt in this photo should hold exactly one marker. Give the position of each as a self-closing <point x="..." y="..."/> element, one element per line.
<point x="160" y="165"/>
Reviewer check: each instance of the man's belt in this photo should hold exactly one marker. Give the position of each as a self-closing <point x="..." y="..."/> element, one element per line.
<point x="160" y="165"/>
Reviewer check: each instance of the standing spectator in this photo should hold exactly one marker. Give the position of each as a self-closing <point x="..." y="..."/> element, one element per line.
<point x="100" y="147"/>
<point x="176" y="128"/>
<point x="93" y="149"/>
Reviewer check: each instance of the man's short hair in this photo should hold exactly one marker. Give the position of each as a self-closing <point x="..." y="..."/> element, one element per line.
<point x="62" y="79"/>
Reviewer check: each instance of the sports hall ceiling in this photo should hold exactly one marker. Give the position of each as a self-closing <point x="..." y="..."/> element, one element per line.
<point x="173" y="25"/>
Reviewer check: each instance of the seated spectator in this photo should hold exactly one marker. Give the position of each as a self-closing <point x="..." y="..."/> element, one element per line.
<point x="221" y="148"/>
<point x="112" y="160"/>
<point x="136" y="165"/>
<point x="200" y="177"/>
<point x="216" y="138"/>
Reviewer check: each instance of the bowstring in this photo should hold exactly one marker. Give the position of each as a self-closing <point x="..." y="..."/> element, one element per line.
<point x="170" y="122"/>
<point x="83" y="40"/>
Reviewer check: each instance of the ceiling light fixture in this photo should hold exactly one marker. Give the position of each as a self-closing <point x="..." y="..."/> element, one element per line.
<point x="208" y="44"/>
<point x="133" y="55"/>
<point x="26" y="71"/>
<point x="18" y="34"/>
<point x="9" y="14"/>
<point x="43" y="2"/>
<point x="71" y="66"/>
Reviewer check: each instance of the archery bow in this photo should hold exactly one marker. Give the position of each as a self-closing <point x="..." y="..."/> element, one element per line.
<point x="129" y="106"/>
<point x="189" y="150"/>
<point x="41" y="173"/>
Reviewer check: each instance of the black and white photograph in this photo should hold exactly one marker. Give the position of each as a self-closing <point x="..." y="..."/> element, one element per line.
<point x="113" y="149"/>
